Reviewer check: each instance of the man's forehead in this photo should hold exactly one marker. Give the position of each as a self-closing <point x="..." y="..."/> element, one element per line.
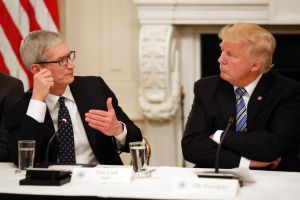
<point x="60" y="50"/>
<point x="232" y="44"/>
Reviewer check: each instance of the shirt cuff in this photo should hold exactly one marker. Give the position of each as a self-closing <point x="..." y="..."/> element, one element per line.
<point x="244" y="163"/>
<point x="120" y="139"/>
<point x="217" y="136"/>
<point x="37" y="110"/>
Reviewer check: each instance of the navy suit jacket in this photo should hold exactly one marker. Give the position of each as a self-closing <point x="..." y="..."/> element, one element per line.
<point x="273" y="119"/>
<point x="89" y="93"/>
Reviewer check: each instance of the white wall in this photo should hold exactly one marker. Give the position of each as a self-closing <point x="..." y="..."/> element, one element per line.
<point x="104" y="34"/>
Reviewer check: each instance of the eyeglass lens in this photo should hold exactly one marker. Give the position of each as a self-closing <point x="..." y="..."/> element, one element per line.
<point x="64" y="60"/>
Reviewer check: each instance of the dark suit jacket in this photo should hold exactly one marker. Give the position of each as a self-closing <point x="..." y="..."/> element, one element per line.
<point x="89" y="93"/>
<point x="11" y="89"/>
<point x="272" y="123"/>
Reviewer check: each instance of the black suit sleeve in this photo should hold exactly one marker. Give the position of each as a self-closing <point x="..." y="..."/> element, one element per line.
<point x="133" y="132"/>
<point x="197" y="147"/>
<point x="23" y="127"/>
<point x="11" y="90"/>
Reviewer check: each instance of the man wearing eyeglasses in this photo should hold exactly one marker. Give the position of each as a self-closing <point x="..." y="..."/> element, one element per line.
<point x="83" y="112"/>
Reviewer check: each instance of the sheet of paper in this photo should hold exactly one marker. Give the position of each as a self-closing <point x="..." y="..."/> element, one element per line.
<point x="102" y="175"/>
<point x="64" y="167"/>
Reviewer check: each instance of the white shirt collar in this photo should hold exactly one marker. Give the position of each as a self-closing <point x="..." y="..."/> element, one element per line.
<point x="251" y="86"/>
<point x="52" y="100"/>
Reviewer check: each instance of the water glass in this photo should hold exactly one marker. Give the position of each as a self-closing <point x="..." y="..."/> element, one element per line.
<point x="26" y="152"/>
<point x="138" y="158"/>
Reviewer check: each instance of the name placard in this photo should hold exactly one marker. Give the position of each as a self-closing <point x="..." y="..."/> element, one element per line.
<point x="102" y="175"/>
<point x="208" y="188"/>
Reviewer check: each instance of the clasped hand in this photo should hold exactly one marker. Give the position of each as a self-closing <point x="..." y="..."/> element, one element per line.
<point x="273" y="165"/>
<point x="104" y="121"/>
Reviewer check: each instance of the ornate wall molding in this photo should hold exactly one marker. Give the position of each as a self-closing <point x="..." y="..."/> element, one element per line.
<point x="159" y="92"/>
<point x="196" y="12"/>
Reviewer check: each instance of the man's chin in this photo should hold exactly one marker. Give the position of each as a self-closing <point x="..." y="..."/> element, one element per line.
<point x="69" y="79"/>
<point x="223" y="76"/>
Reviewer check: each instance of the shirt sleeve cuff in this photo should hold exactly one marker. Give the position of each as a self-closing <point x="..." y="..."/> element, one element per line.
<point x="217" y="136"/>
<point x="37" y="110"/>
<point x="244" y="163"/>
<point x="120" y="139"/>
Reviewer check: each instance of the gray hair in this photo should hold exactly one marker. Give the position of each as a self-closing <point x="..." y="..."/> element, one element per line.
<point x="34" y="46"/>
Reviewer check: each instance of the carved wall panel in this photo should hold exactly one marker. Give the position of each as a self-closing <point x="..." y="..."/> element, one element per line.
<point x="159" y="92"/>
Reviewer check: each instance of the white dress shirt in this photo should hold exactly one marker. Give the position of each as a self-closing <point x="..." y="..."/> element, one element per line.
<point x="83" y="151"/>
<point x="244" y="162"/>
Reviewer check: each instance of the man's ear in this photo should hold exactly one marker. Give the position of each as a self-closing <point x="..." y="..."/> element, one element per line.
<point x="35" y="68"/>
<point x="256" y="66"/>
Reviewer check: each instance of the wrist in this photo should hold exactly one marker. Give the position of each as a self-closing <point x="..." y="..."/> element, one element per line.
<point x="120" y="128"/>
<point x="38" y="97"/>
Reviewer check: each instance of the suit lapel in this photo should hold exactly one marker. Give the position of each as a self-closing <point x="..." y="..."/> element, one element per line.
<point x="81" y="100"/>
<point x="84" y="103"/>
<point x="227" y="100"/>
<point x="50" y="131"/>
<point x="49" y="124"/>
<point x="258" y="98"/>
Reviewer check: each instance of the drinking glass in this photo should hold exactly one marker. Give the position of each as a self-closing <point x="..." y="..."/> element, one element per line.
<point x="26" y="152"/>
<point x="138" y="158"/>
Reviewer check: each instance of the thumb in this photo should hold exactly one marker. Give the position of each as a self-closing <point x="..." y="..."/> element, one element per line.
<point x="109" y="105"/>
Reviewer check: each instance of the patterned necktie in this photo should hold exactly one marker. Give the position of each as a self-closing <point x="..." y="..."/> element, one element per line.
<point x="66" y="152"/>
<point x="241" y="111"/>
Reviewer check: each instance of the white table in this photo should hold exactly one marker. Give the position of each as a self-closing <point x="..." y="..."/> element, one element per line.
<point x="268" y="186"/>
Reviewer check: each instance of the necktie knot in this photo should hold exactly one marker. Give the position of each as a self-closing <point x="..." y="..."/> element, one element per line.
<point x="240" y="91"/>
<point x="61" y="100"/>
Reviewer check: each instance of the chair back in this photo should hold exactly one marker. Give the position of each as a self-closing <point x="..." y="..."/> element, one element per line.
<point x="148" y="150"/>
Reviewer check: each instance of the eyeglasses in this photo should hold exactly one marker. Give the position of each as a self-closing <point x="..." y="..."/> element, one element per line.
<point x="63" y="61"/>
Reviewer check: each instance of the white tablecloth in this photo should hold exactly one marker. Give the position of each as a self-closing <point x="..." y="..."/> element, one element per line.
<point x="268" y="186"/>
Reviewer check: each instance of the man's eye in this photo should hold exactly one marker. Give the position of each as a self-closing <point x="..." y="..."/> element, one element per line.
<point x="65" y="58"/>
<point x="231" y="54"/>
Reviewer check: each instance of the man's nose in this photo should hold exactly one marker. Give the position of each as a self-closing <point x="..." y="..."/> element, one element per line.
<point x="70" y="64"/>
<point x="221" y="58"/>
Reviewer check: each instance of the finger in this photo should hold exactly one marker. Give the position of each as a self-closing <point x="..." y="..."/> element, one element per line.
<point x="46" y="74"/>
<point x="279" y="159"/>
<point x="274" y="165"/>
<point x="104" y="129"/>
<point x="43" y="74"/>
<point x="100" y="115"/>
<point x="94" y="112"/>
<point x="95" y="119"/>
<point x="101" y="126"/>
<point x="109" y="105"/>
<point x="44" y="71"/>
<point x="46" y="80"/>
<point x="49" y="79"/>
